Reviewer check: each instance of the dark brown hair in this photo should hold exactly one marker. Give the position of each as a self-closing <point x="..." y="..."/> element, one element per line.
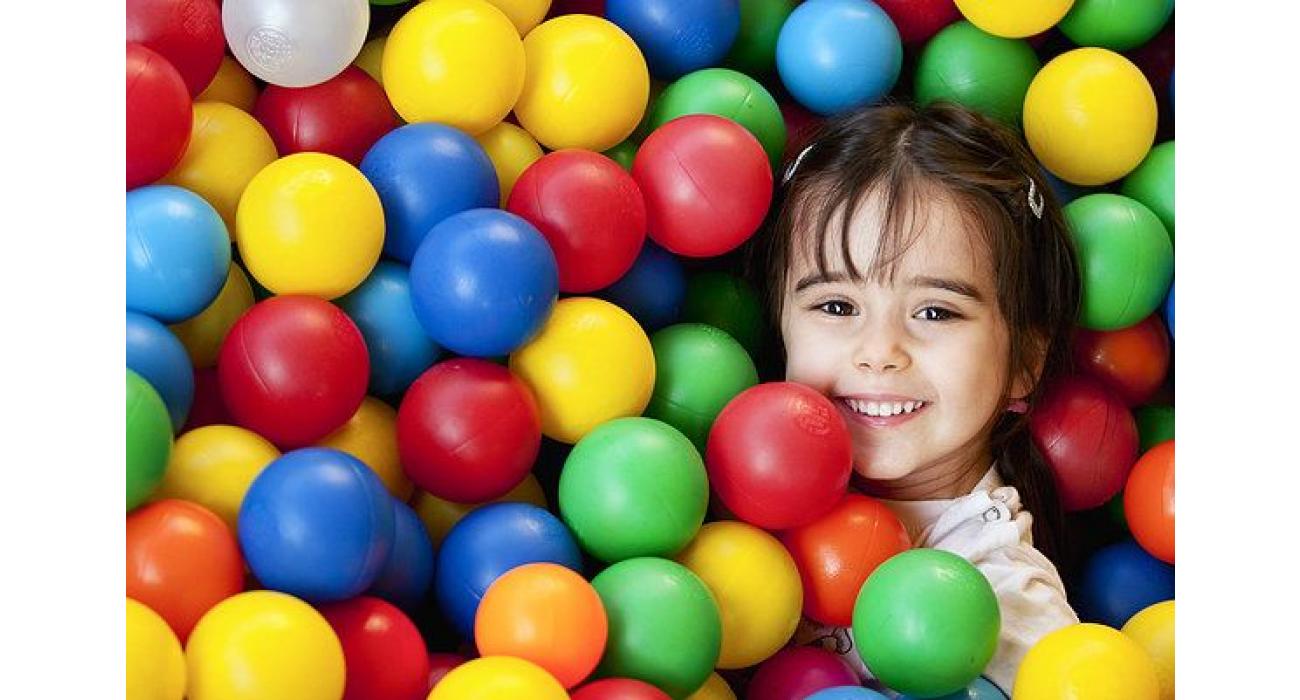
<point x="902" y="154"/>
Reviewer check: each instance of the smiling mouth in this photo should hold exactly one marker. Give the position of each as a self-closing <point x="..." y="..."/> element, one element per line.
<point x="882" y="409"/>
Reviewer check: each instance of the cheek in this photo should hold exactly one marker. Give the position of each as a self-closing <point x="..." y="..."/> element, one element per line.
<point x="809" y="362"/>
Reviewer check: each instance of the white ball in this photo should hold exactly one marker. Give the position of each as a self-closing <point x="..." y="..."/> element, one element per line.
<point x="295" y="43"/>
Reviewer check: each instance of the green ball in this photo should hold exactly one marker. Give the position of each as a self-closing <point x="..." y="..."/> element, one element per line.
<point x="698" y="370"/>
<point x="643" y="127"/>
<point x="633" y="487"/>
<point x="1152" y="184"/>
<point x="148" y="439"/>
<point x="754" y="51"/>
<point x="729" y="94"/>
<point x="1115" y="510"/>
<point x="986" y="73"/>
<point x="1126" y="258"/>
<point x="926" y="622"/>
<point x="624" y="154"/>
<point x="1118" y="25"/>
<point x="726" y="302"/>
<point x="664" y="626"/>
<point x="1155" y="425"/>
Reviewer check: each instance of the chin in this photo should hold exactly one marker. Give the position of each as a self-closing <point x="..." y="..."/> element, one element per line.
<point x="877" y="468"/>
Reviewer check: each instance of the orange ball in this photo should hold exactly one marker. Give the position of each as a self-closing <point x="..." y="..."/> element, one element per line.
<point x="838" y="551"/>
<point x="1149" y="501"/>
<point x="1131" y="361"/>
<point x="546" y="614"/>
<point x="181" y="560"/>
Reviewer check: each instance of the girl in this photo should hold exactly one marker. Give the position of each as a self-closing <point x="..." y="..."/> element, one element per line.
<point x="922" y="278"/>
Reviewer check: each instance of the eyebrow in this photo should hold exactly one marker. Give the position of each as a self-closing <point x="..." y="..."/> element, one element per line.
<point x="952" y="285"/>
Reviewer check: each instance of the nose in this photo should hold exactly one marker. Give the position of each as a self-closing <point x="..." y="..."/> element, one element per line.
<point x="881" y="349"/>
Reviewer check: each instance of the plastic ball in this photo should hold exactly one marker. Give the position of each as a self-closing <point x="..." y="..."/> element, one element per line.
<point x="838" y="551"/>
<point x="1155" y="424"/>
<point x="293" y="369"/>
<point x="1169" y="310"/>
<point x="457" y="62"/>
<point x="796" y="672"/>
<point x="370" y="435"/>
<point x="586" y="86"/>
<point x="232" y="85"/>
<point x="1153" y="630"/>
<point x="468" y="430"/>
<point x="227" y="149"/>
<point x="590" y="211"/>
<point x="524" y="14"/>
<point x="677" y="38"/>
<point x="624" y="154"/>
<point x="181" y="560"/>
<point x="1126" y="260"/>
<point x="203" y="334"/>
<point x="698" y="370"/>
<point x="158" y="116"/>
<point x="713" y="689"/>
<point x="155" y="663"/>
<point x="754" y="50"/>
<point x="1149" y="501"/>
<point x="440" y="515"/>
<point x="726" y="302"/>
<point x="295" y="43"/>
<point x="846" y="692"/>
<point x="985" y="73"/>
<point x="546" y="614"/>
<point x="1119" y="581"/>
<point x="498" y="678"/>
<point x="1090" y="116"/>
<point x="1086" y="661"/>
<point x="157" y="356"/>
<point x="980" y="689"/>
<point x="343" y="116"/>
<point x="385" y="655"/>
<point x="214" y="465"/>
<point x="707" y="184"/>
<point x="371" y="59"/>
<point x="590" y="363"/>
<point x="664" y="626"/>
<point x="918" y="20"/>
<point x="837" y="55"/>
<point x="1118" y="26"/>
<point x="310" y="223"/>
<point x="185" y="32"/>
<point x="619" y="689"/>
<point x="511" y="150"/>
<point x="725" y="93"/>
<point x="407" y="576"/>
<point x="1152" y="184"/>
<point x="177" y="253"/>
<point x="208" y="407"/>
<point x="487" y="543"/>
<point x="440" y="664"/>
<point x="653" y="290"/>
<point x="1132" y="362"/>
<point x="148" y="439"/>
<point x="926" y="622"/>
<point x="1088" y="437"/>
<point x="1014" y="19"/>
<point x="399" y="348"/>
<point x="755" y="444"/>
<point x="264" y="644"/>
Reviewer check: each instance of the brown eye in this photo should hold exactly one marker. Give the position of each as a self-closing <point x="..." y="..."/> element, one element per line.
<point x="935" y="313"/>
<point x="837" y="308"/>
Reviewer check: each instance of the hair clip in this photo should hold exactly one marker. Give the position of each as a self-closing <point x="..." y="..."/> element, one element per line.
<point x="1036" y="201"/>
<point x="789" y="172"/>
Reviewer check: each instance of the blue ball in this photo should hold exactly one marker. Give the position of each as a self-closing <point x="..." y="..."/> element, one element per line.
<point x="1119" y="581"/>
<point x="408" y="574"/>
<point x="1169" y="310"/>
<point x="484" y="282"/>
<point x="980" y="689"/>
<point x="155" y="353"/>
<point x="837" y="55"/>
<point x="678" y="37"/>
<point x="317" y="523"/>
<point x="424" y="173"/>
<point x="653" y="290"/>
<point x="490" y="541"/>
<point x="177" y="252"/>
<point x="846" y="692"/>
<point x="399" y="348"/>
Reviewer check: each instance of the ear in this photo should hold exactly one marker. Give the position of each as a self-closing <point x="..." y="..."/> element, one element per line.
<point x="1031" y="369"/>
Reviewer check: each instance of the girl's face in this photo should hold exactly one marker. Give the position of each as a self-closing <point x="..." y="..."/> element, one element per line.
<point x="917" y="367"/>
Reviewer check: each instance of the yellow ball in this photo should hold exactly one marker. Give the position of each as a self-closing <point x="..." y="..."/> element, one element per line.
<point x="1086" y="661"/>
<point x="459" y="62"/>
<point x="511" y="150"/>
<point x="371" y="58"/>
<point x="498" y="678"/>
<point x="310" y="223"/>
<point x="439" y="515"/>
<point x="213" y="466"/>
<point x="1153" y="630"/>
<point x="202" y="335"/>
<point x="264" y="645"/>
<point x="232" y="85"/>
<point x="590" y="363"/>
<point x="1014" y="19"/>
<point x="756" y="584"/>
<point x="227" y="148"/>
<point x="155" y="664"/>
<point x="713" y="689"/>
<point x="524" y="13"/>
<point x="586" y="86"/>
<point x="1090" y="116"/>
<point x="370" y="435"/>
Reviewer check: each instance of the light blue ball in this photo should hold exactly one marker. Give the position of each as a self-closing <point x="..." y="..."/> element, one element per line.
<point x="846" y="692"/>
<point x="980" y="689"/>
<point x="836" y="55"/>
<point x="399" y="348"/>
<point x="177" y="252"/>
<point x="155" y="353"/>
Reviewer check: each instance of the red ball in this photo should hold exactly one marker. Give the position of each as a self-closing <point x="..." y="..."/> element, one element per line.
<point x="186" y="32"/>
<point x="1149" y="501"/>
<point x="918" y="20"/>
<point x="779" y="455"/>
<point x="838" y="551"/>
<point x="384" y="653"/>
<point x="208" y="408"/>
<point x="577" y="7"/>
<point x="440" y="664"/>
<point x="1132" y="362"/>
<point x="590" y="211"/>
<point x="293" y="369"/>
<point x="619" y="689"/>
<point x="468" y="430"/>
<point x="343" y="116"/>
<point x="795" y="673"/>
<point x="158" y="116"/>
<point x="1089" y="438"/>
<point x="707" y="184"/>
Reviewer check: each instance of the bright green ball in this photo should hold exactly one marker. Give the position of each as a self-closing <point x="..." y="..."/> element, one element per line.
<point x="1155" y="425"/>
<point x="148" y="439"/>
<point x="633" y="487"/>
<point x="1126" y="257"/>
<point x="725" y="93"/>
<point x="1152" y="184"/>
<point x="698" y="369"/>
<point x="926" y="622"/>
<point x="986" y="73"/>
<point x="1118" y="25"/>
<point x="754" y="51"/>
<point x="664" y="626"/>
<point x="624" y="154"/>
<point x="727" y="302"/>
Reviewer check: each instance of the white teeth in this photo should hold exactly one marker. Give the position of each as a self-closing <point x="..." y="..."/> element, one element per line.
<point x="873" y="409"/>
<point x="884" y="408"/>
<point x="898" y="408"/>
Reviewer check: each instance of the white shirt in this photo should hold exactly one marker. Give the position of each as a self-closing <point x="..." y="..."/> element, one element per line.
<point x="989" y="529"/>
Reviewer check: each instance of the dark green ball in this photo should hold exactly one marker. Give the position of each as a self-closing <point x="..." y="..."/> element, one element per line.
<point x="624" y="154"/>
<point x="1125" y="256"/>
<point x="1152" y="184"/>
<point x="986" y="73"/>
<point x="148" y="439"/>
<point x="725" y="93"/>
<point x="1118" y="25"/>
<point x="727" y="302"/>
<point x="754" y="51"/>
<point x="1155" y="425"/>
<point x="698" y="370"/>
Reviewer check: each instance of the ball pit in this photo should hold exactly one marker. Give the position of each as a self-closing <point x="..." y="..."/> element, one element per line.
<point x="155" y="354"/>
<point x="677" y="38"/>
<point x="1149" y="501"/>
<point x="1088" y="437"/>
<point x="148" y="439"/>
<point x="295" y="43"/>
<point x="836" y="55"/>
<point x="498" y="678"/>
<point x="988" y="74"/>
<point x="158" y="116"/>
<point x="725" y="93"/>
<point x="797" y="672"/>
<point x="1152" y="184"/>
<point x="203" y="333"/>
<point x="1086" y="661"/>
<point x="370" y="435"/>
<point x="1014" y="18"/>
<point x="342" y="116"/>
<point x="440" y="515"/>
<point x="698" y="370"/>
<point x="407" y="575"/>
<point x="1153" y="630"/>
<point x="185" y="32"/>
<point x="227" y="148"/>
<point x="385" y="656"/>
<point x="1126" y="259"/>
<point x="1119" y="581"/>
<point x="155" y="663"/>
<point x="754" y="50"/>
<point x="1118" y="26"/>
<point x="1132" y="362"/>
<point x="511" y="150"/>
<point x="399" y="349"/>
<point x="177" y="253"/>
<point x="213" y="466"/>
